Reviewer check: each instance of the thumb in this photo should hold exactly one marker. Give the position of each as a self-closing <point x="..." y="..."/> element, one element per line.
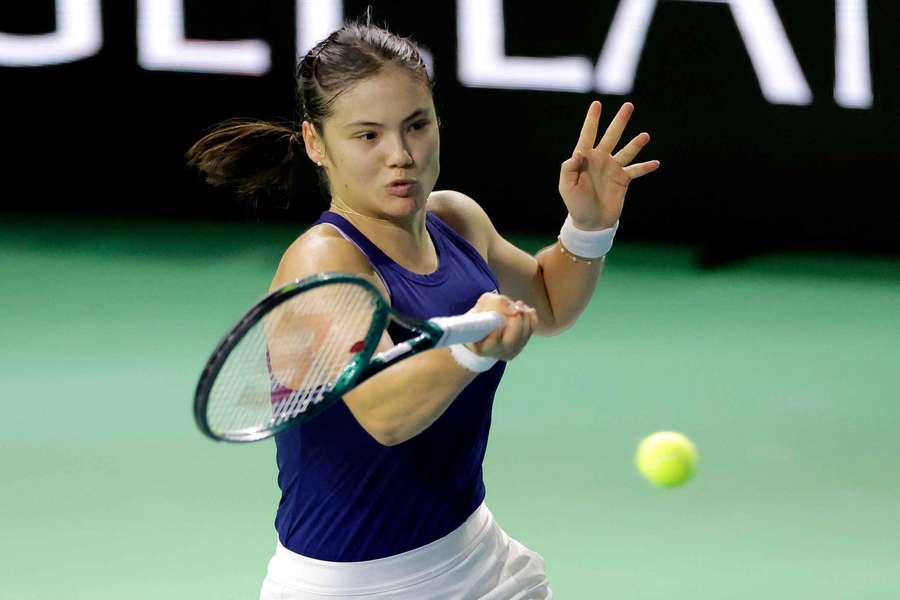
<point x="572" y="168"/>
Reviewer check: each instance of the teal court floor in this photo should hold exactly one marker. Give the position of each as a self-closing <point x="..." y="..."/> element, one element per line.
<point x="784" y="369"/>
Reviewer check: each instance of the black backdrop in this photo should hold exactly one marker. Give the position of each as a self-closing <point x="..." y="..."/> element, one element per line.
<point x="739" y="172"/>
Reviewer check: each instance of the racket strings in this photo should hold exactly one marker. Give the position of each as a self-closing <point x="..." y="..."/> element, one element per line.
<point x="305" y="339"/>
<point x="330" y="359"/>
<point x="290" y="358"/>
<point x="327" y="364"/>
<point x="288" y="338"/>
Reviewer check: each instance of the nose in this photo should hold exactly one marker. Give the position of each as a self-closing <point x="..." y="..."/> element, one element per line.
<point x="400" y="156"/>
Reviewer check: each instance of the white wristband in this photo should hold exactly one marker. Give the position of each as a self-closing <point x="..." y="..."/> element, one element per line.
<point x="471" y="361"/>
<point x="587" y="244"/>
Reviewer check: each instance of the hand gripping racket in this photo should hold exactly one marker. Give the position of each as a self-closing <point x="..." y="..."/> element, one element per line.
<point x="304" y="346"/>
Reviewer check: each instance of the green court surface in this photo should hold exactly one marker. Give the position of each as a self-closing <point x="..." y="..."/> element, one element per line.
<point x="784" y="370"/>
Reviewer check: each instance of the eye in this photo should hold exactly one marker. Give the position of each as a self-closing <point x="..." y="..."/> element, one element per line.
<point x="367" y="136"/>
<point x="420" y="124"/>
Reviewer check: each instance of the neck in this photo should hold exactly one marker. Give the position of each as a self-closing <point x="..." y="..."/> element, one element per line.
<point x="412" y="227"/>
<point x="406" y="241"/>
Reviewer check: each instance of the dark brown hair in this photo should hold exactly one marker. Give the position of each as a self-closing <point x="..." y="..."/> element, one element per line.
<point x="261" y="160"/>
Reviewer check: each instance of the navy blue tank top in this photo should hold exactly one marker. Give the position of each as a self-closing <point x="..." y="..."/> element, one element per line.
<point x="347" y="498"/>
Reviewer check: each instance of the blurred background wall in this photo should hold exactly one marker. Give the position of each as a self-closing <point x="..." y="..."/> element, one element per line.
<point x="776" y="122"/>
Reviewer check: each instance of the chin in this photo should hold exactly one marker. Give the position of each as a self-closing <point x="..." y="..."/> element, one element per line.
<point x="403" y="207"/>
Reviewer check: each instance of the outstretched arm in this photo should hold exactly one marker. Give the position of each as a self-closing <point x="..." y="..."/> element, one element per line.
<point x="592" y="184"/>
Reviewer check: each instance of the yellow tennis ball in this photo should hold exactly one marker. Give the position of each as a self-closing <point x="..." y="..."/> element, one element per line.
<point x="666" y="458"/>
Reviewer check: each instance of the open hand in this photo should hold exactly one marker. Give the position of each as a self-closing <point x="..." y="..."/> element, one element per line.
<point x="593" y="181"/>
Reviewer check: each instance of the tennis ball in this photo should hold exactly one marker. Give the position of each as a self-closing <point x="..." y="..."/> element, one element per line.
<point x="666" y="458"/>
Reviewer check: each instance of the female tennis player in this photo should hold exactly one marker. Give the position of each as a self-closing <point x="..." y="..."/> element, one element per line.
<point x="382" y="494"/>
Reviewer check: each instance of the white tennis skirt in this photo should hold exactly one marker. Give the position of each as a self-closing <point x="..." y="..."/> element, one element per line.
<point x="478" y="560"/>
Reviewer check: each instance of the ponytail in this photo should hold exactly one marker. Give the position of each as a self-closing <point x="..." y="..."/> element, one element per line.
<point x="257" y="159"/>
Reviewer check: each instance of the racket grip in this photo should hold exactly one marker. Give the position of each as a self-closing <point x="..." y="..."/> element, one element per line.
<point x="471" y="327"/>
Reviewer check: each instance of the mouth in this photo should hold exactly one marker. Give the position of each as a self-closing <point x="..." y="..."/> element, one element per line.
<point x="402" y="187"/>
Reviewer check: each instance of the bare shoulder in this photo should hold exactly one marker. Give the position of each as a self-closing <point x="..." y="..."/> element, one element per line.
<point x="322" y="249"/>
<point x="465" y="216"/>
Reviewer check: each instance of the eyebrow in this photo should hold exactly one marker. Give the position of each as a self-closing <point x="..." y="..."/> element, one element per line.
<point x="418" y="113"/>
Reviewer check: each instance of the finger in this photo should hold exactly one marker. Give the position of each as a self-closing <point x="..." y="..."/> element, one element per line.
<point x="512" y="332"/>
<point x="488" y="300"/>
<point x="529" y="313"/>
<point x="497" y="302"/>
<point x="524" y="334"/>
<point x="589" y="128"/>
<point x="627" y="154"/>
<point x="527" y="324"/>
<point x="491" y="340"/>
<point x="509" y="308"/>
<point x="641" y="169"/>
<point x="615" y="129"/>
<point x="571" y="169"/>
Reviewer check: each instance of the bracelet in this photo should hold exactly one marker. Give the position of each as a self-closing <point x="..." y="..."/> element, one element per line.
<point x="576" y="258"/>
<point x="471" y="361"/>
<point x="582" y="244"/>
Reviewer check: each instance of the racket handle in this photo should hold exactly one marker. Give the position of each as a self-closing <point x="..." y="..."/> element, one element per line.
<point x="471" y="327"/>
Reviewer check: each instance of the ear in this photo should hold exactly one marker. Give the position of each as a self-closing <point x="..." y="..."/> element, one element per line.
<point x="313" y="142"/>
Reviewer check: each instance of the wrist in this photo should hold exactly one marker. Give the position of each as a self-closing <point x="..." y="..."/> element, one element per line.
<point x="586" y="243"/>
<point x="470" y="360"/>
<point x="591" y="225"/>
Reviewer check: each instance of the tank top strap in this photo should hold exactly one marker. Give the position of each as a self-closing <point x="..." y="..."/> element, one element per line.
<point x="349" y="231"/>
<point x="459" y="263"/>
<point x="448" y="235"/>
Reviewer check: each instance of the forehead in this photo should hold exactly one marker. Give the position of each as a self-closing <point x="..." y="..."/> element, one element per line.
<point x="387" y="97"/>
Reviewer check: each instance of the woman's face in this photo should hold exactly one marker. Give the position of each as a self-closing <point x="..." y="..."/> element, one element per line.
<point x="382" y="146"/>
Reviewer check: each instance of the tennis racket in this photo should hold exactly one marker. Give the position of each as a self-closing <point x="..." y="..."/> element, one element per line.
<point x="304" y="346"/>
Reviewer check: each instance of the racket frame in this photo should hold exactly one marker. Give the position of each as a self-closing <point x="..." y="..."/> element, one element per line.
<point x="345" y="380"/>
<point x="362" y="366"/>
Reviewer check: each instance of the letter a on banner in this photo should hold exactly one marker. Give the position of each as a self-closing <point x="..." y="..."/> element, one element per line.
<point x="780" y="77"/>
